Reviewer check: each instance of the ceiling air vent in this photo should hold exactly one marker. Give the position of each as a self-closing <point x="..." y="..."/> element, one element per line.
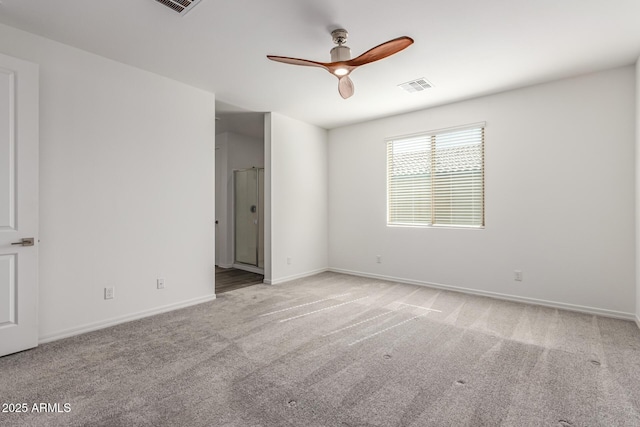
<point x="416" y="85"/>
<point x="180" y="6"/>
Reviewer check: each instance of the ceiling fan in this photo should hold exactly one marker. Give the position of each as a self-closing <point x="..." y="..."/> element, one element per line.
<point x="342" y="65"/>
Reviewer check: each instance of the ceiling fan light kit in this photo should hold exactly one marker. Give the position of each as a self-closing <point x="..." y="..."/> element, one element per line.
<point x="342" y="65"/>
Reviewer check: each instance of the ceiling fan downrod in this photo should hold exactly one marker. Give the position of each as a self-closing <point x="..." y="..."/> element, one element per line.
<point x="340" y="52"/>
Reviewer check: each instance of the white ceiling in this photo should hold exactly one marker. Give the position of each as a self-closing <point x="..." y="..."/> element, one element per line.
<point x="230" y="118"/>
<point x="466" y="48"/>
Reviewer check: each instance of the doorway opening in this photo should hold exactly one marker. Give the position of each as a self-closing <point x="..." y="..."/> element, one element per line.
<point x="239" y="198"/>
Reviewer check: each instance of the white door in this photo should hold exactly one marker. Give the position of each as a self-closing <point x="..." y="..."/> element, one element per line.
<point x="18" y="205"/>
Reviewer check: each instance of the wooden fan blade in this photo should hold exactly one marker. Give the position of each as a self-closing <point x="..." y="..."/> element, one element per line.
<point x="297" y="61"/>
<point x="381" y="51"/>
<point x="345" y="87"/>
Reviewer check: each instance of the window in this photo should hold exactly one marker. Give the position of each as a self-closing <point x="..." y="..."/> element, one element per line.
<point x="437" y="178"/>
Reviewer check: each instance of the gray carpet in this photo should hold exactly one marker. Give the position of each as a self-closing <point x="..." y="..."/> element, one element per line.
<point x="336" y="350"/>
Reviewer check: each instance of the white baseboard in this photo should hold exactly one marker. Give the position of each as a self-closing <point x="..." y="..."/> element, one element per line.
<point x="638" y="321"/>
<point x="507" y="297"/>
<point x="295" y="276"/>
<point x="122" y="319"/>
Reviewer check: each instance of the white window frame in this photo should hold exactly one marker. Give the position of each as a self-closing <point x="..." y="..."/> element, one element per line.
<point x="426" y="201"/>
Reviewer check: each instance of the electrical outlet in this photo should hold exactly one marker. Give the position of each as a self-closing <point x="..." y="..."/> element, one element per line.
<point x="517" y="275"/>
<point x="160" y="283"/>
<point x="109" y="293"/>
<point x="379" y="259"/>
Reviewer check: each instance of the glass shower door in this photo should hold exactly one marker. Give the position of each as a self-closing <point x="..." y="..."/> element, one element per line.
<point x="247" y="216"/>
<point x="260" y="218"/>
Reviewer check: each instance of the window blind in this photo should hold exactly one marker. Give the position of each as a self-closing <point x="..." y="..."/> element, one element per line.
<point x="437" y="179"/>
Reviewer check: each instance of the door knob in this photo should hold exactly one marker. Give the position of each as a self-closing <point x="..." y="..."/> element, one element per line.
<point x="27" y="241"/>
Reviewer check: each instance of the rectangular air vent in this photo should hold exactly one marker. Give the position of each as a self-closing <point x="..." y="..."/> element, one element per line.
<point x="416" y="85"/>
<point x="180" y="6"/>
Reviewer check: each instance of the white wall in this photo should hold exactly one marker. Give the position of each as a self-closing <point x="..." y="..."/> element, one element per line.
<point x="296" y="200"/>
<point x="637" y="211"/>
<point x="126" y="188"/>
<point x="233" y="152"/>
<point x="559" y="197"/>
<point x="221" y="160"/>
